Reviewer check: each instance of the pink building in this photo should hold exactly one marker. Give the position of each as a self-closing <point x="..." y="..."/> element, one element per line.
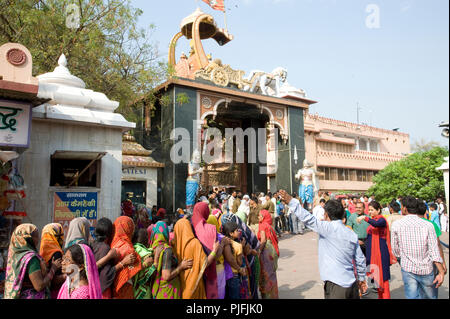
<point x="348" y="155"/>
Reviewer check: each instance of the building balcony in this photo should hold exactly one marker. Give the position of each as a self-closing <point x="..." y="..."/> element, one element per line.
<point x="346" y="186"/>
<point x="356" y="160"/>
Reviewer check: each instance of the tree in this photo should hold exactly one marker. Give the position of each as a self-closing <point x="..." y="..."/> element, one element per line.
<point x="414" y="175"/>
<point x="423" y="145"/>
<point x="100" y="39"/>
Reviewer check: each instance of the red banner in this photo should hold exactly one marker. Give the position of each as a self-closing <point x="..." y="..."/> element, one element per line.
<point x="216" y="4"/>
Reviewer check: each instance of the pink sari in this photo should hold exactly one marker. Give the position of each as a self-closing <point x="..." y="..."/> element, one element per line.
<point x="207" y="235"/>
<point x="93" y="290"/>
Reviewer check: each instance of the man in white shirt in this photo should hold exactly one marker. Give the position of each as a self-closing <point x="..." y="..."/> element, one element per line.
<point x="319" y="210"/>
<point x="262" y="198"/>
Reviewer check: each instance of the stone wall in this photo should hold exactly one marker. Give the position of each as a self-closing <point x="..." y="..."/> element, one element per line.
<point x="34" y="165"/>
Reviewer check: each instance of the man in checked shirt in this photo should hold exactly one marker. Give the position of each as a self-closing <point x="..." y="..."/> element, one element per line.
<point x="414" y="242"/>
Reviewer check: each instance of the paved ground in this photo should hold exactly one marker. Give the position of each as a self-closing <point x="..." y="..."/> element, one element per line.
<point x="298" y="271"/>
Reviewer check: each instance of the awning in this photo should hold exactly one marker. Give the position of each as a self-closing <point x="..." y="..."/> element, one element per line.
<point x="77" y="155"/>
<point x="140" y="161"/>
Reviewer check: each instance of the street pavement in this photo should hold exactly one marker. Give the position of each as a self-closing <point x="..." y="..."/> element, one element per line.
<point x="298" y="270"/>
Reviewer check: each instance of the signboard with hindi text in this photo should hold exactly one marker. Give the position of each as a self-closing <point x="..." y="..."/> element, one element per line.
<point x="70" y="205"/>
<point x="15" y="121"/>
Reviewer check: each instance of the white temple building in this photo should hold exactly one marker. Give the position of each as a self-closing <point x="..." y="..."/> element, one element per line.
<point x="73" y="167"/>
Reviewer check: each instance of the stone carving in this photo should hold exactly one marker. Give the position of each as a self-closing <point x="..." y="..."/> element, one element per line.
<point x="16" y="57"/>
<point x="266" y="83"/>
<point x="221" y="75"/>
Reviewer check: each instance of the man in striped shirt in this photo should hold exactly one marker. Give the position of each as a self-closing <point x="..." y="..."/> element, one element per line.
<point x="414" y="242"/>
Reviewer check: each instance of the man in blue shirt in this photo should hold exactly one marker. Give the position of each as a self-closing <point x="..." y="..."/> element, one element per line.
<point x="342" y="264"/>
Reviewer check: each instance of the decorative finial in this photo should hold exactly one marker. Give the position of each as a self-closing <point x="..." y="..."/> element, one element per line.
<point x="62" y="61"/>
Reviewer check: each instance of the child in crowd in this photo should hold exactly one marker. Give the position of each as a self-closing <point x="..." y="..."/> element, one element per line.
<point x="233" y="285"/>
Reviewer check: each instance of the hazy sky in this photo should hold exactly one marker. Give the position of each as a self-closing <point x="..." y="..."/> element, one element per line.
<point x="398" y="70"/>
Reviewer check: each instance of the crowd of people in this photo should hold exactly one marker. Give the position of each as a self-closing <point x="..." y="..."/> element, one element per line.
<point x="227" y="248"/>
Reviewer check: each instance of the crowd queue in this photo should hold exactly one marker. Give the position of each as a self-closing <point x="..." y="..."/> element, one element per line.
<point x="228" y="249"/>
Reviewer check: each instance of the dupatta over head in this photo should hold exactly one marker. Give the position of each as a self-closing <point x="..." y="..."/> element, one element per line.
<point x="21" y="250"/>
<point x="188" y="247"/>
<point x="52" y="241"/>
<point x="90" y="265"/>
<point x="266" y="226"/>
<point x="123" y="232"/>
<point x="78" y="231"/>
<point x="207" y="235"/>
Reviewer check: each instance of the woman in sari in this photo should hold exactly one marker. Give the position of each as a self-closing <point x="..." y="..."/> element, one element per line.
<point x="78" y="232"/>
<point x="187" y="247"/>
<point x="106" y="257"/>
<point x="142" y="217"/>
<point x="82" y="275"/>
<point x="251" y="249"/>
<point x="269" y="253"/>
<point x="167" y="282"/>
<point x="223" y="269"/>
<point x="26" y="273"/>
<point x="52" y="241"/>
<point x="122" y="243"/>
<point x="207" y="235"/>
<point x="379" y="255"/>
<point x="142" y="281"/>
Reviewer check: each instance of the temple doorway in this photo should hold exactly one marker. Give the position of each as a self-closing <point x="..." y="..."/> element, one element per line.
<point x="244" y="177"/>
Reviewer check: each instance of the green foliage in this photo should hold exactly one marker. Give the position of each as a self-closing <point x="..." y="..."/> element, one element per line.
<point x="415" y="175"/>
<point x="105" y="49"/>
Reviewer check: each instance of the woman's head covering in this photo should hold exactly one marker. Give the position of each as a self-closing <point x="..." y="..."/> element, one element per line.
<point x="127" y="208"/>
<point x="142" y="216"/>
<point x="266" y="226"/>
<point x="21" y="250"/>
<point x="78" y="232"/>
<point x="212" y="220"/>
<point x="52" y="241"/>
<point x="122" y="241"/>
<point x="160" y="235"/>
<point x="161" y="213"/>
<point x="95" y="290"/>
<point x="206" y="233"/>
<point x="149" y="233"/>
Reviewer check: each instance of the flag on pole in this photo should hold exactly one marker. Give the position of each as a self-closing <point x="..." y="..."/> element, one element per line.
<point x="216" y="4"/>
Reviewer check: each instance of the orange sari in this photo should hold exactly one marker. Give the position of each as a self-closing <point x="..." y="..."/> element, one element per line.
<point x="51" y="241"/>
<point x="187" y="246"/>
<point x="123" y="232"/>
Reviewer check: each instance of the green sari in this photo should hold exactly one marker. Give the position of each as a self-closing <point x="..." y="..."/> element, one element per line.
<point x="142" y="281"/>
<point x="162" y="289"/>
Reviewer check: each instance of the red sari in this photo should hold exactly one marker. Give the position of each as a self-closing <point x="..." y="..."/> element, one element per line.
<point x="376" y="266"/>
<point x="123" y="232"/>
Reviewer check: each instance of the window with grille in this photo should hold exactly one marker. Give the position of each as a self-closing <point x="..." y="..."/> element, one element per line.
<point x="344" y="148"/>
<point x="326" y="146"/>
